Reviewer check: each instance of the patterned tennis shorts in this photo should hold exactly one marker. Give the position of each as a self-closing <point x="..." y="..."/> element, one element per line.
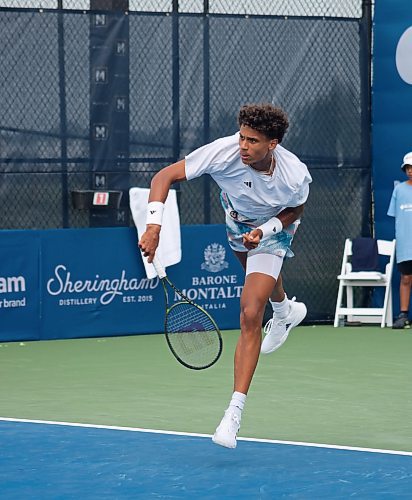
<point x="279" y="244"/>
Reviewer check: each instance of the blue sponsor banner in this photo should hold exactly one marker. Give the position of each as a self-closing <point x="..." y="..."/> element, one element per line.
<point x="391" y="110"/>
<point x="210" y="274"/>
<point x="72" y="283"/>
<point x="19" y="285"/>
<point x="93" y="285"/>
<point x="392" y="103"/>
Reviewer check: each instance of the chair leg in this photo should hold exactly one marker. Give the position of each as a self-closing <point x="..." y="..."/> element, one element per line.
<point x="338" y="305"/>
<point x="349" y="300"/>
<point x="388" y="316"/>
<point x="390" y="309"/>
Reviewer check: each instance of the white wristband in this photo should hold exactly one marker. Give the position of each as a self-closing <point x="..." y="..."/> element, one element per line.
<point x="271" y="227"/>
<point x="155" y="212"/>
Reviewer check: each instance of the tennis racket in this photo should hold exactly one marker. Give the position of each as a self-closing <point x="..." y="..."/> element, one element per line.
<point x="191" y="333"/>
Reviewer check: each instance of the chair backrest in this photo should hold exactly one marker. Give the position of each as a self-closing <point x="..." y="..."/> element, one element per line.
<point x="385" y="247"/>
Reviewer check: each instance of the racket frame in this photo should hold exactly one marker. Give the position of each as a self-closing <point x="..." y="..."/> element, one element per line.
<point x="166" y="281"/>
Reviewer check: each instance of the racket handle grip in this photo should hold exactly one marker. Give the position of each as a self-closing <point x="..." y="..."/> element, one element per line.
<point x="160" y="270"/>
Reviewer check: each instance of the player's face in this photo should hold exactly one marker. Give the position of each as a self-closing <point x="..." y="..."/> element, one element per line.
<point x="254" y="146"/>
<point x="408" y="172"/>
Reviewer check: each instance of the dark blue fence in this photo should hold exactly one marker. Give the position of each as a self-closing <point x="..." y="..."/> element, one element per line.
<point x="102" y="99"/>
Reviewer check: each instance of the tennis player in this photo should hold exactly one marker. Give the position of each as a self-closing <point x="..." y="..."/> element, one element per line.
<point x="263" y="190"/>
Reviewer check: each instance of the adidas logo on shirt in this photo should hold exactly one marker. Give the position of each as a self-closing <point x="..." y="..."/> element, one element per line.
<point x="248" y="183"/>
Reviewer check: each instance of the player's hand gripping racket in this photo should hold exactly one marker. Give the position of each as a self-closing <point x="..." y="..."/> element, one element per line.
<point x="191" y="333"/>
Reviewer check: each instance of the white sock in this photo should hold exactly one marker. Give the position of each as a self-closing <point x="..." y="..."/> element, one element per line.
<point x="281" y="309"/>
<point x="237" y="402"/>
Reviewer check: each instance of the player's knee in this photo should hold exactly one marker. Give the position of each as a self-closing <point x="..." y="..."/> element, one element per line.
<point x="250" y="315"/>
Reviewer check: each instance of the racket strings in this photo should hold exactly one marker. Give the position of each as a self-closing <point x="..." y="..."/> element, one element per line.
<point x="192" y="335"/>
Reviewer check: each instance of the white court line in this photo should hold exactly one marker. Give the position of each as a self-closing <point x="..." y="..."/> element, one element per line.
<point x="193" y="434"/>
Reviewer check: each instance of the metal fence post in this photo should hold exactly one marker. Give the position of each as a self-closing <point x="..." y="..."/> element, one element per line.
<point x="63" y="114"/>
<point x="206" y="105"/>
<point x="175" y="78"/>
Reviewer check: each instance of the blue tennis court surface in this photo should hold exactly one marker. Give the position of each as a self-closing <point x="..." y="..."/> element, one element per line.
<point x="65" y="461"/>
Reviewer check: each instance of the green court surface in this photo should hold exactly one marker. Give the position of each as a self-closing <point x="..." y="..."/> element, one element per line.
<point x="347" y="386"/>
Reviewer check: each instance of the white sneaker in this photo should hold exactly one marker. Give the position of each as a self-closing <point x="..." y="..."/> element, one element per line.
<point x="227" y="430"/>
<point x="277" y="330"/>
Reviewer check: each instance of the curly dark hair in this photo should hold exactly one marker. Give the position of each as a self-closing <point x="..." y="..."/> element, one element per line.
<point x="265" y="118"/>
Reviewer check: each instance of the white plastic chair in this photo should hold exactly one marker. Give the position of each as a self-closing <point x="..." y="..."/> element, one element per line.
<point x="348" y="280"/>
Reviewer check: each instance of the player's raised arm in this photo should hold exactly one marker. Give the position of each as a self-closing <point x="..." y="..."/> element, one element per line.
<point x="159" y="190"/>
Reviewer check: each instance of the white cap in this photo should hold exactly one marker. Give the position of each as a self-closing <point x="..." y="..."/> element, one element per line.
<point x="407" y="160"/>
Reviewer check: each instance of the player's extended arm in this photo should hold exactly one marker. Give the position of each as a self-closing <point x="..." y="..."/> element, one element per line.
<point x="290" y="214"/>
<point x="274" y="225"/>
<point x="159" y="189"/>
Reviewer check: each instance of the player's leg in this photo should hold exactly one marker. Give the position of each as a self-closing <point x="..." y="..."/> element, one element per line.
<point x="255" y="294"/>
<point x="286" y="315"/>
<point x="278" y="293"/>
<point x="259" y="284"/>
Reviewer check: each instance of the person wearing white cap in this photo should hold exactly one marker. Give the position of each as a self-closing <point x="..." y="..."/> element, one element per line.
<point x="400" y="207"/>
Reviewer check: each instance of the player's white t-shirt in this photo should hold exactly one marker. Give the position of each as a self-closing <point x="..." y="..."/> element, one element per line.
<point x="252" y="193"/>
